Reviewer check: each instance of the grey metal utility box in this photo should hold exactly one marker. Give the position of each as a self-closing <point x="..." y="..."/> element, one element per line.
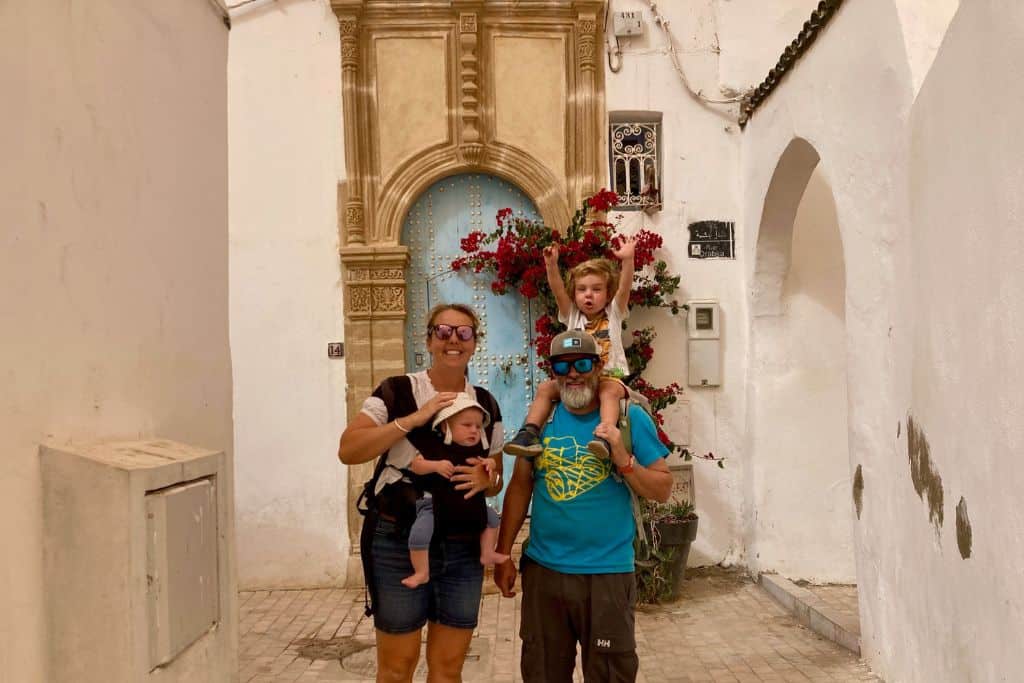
<point x="139" y="563"/>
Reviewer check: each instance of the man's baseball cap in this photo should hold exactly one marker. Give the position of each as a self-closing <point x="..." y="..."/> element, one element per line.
<point x="573" y="343"/>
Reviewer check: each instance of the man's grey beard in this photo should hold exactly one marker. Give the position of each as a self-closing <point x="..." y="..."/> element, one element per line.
<point x="580" y="398"/>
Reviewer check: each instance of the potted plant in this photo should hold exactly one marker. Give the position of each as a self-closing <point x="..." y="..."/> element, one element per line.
<point x="670" y="529"/>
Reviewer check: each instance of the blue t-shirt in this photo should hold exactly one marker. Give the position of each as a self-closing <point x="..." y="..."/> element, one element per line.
<point x="582" y="520"/>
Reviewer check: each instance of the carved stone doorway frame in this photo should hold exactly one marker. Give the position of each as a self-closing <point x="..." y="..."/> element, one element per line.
<point x="484" y="130"/>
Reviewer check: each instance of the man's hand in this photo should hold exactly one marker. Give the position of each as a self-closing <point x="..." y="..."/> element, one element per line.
<point x="505" y="578"/>
<point x="613" y="436"/>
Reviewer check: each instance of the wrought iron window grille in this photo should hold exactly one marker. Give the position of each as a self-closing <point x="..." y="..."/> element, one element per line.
<point x="635" y="164"/>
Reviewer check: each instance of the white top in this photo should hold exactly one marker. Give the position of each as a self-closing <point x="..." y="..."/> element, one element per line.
<point x="400" y="455"/>
<point x="616" y="359"/>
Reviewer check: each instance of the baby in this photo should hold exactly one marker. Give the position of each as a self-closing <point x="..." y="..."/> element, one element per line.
<point x="595" y="299"/>
<point x="463" y="423"/>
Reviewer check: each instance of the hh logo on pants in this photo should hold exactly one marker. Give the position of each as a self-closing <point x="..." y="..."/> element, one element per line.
<point x="602" y="642"/>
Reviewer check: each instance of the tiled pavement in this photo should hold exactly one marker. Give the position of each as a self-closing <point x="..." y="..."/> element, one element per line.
<point x="839" y="598"/>
<point x="723" y="628"/>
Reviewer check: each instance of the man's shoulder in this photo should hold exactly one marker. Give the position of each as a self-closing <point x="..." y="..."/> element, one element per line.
<point x="637" y="412"/>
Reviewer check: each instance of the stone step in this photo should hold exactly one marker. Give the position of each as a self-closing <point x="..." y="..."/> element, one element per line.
<point x="812" y="612"/>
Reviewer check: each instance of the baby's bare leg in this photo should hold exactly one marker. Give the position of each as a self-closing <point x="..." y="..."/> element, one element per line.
<point x="489" y="539"/>
<point x="419" y="543"/>
<point x="420" y="568"/>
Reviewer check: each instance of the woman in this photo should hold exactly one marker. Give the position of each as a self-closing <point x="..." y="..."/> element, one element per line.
<point x="396" y="420"/>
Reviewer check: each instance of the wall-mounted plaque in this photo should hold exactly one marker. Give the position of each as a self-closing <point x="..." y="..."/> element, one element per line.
<point x="712" y="239"/>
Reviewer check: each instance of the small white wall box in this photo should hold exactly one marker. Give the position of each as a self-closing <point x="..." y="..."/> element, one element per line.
<point x="704" y="323"/>
<point x="139" y="563"/>
<point x="628" y="23"/>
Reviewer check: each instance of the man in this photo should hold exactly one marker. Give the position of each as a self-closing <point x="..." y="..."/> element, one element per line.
<point x="577" y="567"/>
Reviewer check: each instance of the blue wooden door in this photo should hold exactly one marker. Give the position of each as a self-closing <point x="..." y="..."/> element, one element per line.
<point x="504" y="361"/>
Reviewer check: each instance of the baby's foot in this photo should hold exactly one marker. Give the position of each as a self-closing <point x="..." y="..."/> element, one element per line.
<point x="416" y="579"/>
<point x="489" y="557"/>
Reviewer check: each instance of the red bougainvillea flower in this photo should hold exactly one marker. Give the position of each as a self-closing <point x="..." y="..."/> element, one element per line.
<point x="512" y="254"/>
<point x="603" y="200"/>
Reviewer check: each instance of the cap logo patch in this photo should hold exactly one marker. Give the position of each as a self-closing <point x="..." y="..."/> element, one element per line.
<point x="572" y="343"/>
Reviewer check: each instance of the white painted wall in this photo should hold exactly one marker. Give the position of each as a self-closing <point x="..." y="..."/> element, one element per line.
<point x="752" y="35"/>
<point x="924" y="23"/>
<point x="914" y="197"/>
<point x="698" y="183"/>
<point x="723" y="47"/>
<point x="285" y="160"/>
<point x="113" y="285"/>
<point x="802" y="479"/>
<point x="861" y="142"/>
<point x="967" y="299"/>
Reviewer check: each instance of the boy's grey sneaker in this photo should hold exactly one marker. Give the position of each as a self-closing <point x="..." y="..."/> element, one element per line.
<point x="600" y="448"/>
<point x="526" y="443"/>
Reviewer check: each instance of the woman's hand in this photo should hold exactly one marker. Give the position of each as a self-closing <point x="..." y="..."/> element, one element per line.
<point x="429" y="409"/>
<point x="472" y="478"/>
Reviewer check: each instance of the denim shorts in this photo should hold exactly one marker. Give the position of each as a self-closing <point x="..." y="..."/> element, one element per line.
<point x="450" y="598"/>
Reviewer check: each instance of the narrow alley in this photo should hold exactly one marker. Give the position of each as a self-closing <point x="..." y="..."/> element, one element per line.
<point x="723" y="628"/>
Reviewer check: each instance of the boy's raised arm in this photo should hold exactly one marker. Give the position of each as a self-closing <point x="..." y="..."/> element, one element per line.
<point x="555" y="281"/>
<point x="625" y="255"/>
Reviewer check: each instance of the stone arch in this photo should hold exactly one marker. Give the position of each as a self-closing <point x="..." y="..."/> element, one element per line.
<point x="502" y="160"/>
<point x="798" y="378"/>
<point x="775" y="235"/>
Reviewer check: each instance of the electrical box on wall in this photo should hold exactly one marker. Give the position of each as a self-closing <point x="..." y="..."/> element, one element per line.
<point x="139" y="564"/>
<point x="628" y="23"/>
<point x="704" y="325"/>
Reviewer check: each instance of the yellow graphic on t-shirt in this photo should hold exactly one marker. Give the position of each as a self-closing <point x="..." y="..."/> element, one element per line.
<point x="569" y="469"/>
<point x="599" y="330"/>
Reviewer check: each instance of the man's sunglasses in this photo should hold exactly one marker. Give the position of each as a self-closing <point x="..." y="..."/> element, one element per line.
<point x="444" y="332"/>
<point x="582" y="365"/>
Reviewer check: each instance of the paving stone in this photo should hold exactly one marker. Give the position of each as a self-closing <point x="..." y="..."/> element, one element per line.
<point x="723" y="628"/>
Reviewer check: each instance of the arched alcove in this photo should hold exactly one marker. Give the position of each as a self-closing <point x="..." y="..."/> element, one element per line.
<point x="802" y="523"/>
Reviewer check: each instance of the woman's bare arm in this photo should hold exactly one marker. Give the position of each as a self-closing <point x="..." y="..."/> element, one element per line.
<point x="363" y="439"/>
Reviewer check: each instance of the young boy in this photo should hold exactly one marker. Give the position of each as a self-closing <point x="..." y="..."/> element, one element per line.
<point x="590" y="284"/>
<point x="463" y="423"/>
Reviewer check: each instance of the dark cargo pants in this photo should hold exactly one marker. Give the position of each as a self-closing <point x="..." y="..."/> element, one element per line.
<point x="559" y="610"/>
